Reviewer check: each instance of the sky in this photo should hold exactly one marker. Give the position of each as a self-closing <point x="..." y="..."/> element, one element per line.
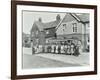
<point x="30" y="16"/>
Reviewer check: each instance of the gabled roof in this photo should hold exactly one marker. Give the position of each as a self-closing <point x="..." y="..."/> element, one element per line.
<point x="84" y="17"/>
<point x="51" y="24"/>
<point x="41" y="26"/>
<point x="68" y="17"/>
<point x="25" y="35"/>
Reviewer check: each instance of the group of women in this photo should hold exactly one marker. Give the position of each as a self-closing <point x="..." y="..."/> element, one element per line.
<point x="68" y="49"/>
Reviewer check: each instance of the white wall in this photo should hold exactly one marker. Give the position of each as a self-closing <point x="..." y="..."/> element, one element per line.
<point x="5" y="41"/>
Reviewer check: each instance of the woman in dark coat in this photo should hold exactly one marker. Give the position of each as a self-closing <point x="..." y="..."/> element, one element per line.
<point x="59" y="49"/>
<point x="55" y="49"/>
<point x="33" y="50"/>
<point x="76" y="53"/>
<point x="49" y="49"/>
<point x="43" y="49"/>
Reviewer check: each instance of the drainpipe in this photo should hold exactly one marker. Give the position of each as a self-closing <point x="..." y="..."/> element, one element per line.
<point x="85" y="43"/>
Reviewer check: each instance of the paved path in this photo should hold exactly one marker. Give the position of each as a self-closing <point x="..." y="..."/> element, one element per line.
<point x="82" y="59"/>
<point x="36" y="61"/>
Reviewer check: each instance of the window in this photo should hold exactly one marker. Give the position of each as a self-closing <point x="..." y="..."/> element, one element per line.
<point x="63" y="29"/>
<point x="26" y="41"/>
<point x="31" y="40"/>
<point x="74" y="27"/>
<point x="87" y="25"/>
<point x="64" y="25"/>
<point x="88" y="39"/>
<point x="37" y="41"/>
<point x="47" y="41"/>
<point x="32" y="34"/>
<point x="47" y="32"/>
<point x="37" y="32"/>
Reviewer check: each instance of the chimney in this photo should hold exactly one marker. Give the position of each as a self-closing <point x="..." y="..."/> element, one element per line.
<point x="58" y="17"/>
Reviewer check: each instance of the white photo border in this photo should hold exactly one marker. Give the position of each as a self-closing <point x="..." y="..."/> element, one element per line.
<point x="21" y="71"/>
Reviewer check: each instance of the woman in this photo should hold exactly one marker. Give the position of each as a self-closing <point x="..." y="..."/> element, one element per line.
<point x="56" y="51"/>
<point x="52" y="48"/>
<point x="62" y="48"/>
<point x="79" y="46"/>
<point x="65" y="49"/>
<point x="45" y="48"/>
<point x="72" y="48"/>
<point x="68" y="50"/>
<point x="76" y="53"/>
<point x="69" y="47"/>
<point x="59" y="49"/>
<point x="49" y="49"/>
<point x="36" y="49"/>
<point x="33" y="50"/>
<point x="40" y="48"/>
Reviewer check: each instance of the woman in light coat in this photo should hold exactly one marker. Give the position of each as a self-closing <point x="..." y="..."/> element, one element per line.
<point x="65" y="49"/>
<point x="56" y="49"/>
<point x="68" y="49"/>
<point x="72" y="50"/>
<point x="62" y="48"/>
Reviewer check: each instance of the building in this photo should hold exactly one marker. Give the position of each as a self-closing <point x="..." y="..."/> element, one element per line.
<point x="74" y="26"/>
<point x="42" y="32"/>
<point x="26" y="40"/>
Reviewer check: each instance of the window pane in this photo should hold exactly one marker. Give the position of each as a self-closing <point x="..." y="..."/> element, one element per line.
<point x="47" y="32"/>
<point x="64" y="24"/>
<point x="74" y="27"/>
